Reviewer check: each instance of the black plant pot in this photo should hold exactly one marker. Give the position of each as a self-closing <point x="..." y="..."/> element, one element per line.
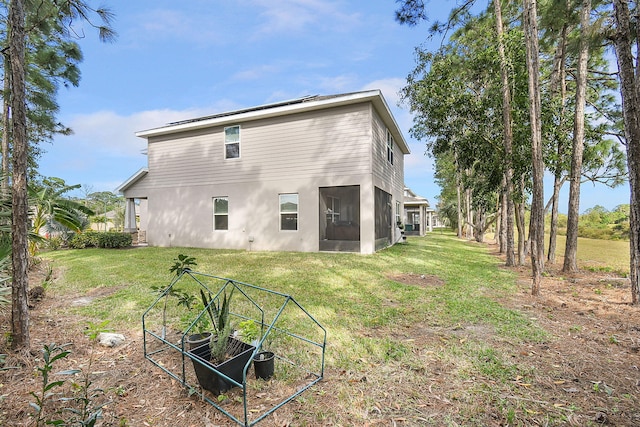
<point x="198" y="340"/>
<point x="208" y="374"/>
<point x="263" y="364"/>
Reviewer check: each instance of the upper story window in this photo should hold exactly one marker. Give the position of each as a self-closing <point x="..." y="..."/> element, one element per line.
<point x="220" y="213"/>
<point x="232" y="142"/>
<point x="288" y="211"/>
<point x="389" y="147"/>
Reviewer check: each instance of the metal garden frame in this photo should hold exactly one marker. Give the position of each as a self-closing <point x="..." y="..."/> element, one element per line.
<point x="272" y="310"/>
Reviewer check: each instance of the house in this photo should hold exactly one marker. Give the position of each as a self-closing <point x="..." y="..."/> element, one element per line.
<point x="319" y="173"/>
<point x="108" y="221"/>
<point x="419" y="217"/>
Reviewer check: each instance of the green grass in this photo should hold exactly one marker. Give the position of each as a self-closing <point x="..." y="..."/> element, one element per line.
<point x="346" y="293"/>
<point x="599" y="255"/>
<point x="386" y="341"/>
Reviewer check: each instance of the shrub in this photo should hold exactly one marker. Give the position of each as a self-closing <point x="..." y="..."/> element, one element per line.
<point x="109" y="239"/>
<point x="54" y="243"/>
<point x="113" y="239"/>
<point x="87" y="239"/>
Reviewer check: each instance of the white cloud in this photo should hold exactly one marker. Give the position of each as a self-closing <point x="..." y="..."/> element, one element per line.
<point x="108" y="134"/>
<point x="287" y="16"/>
<point x="336" y="84"/>
<point x="390" y="89"/>
<point x="177" y="24"/>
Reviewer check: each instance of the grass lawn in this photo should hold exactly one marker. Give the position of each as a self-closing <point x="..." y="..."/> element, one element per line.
<point x="607" y="255"/>
<point x="342" y="291"/>
<point x="417" y="334"/>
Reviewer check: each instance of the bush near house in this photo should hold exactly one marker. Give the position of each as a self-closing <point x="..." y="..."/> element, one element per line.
<point x="94" y="239"/>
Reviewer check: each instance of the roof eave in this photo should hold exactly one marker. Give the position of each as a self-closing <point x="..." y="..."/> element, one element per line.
<point x="131" y="180"/>
<point x="374" y="96"/>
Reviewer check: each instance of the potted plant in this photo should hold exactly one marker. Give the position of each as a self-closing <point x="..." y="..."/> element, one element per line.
<point x="202" y="334"/>
<point x="263" y="361"/>
<point x="222" y="352"/>
<point x="263" y="364"/>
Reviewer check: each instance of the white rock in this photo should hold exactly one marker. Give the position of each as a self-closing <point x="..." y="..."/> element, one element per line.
<point x="108" y="339"/>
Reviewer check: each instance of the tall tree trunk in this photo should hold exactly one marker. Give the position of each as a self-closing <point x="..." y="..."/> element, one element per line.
<point x="6" y="126"/>
<point x="459" y="194"/>
<point x="558" y="81"/>
<point x="479" y="225"/>
<point x="507" y="136"/>
<point x="19" y="255"/>
<point x="469" y="215"/>
<point x="630" y="92"/>
<point x="571" y="248"/>
<point x="500" y="209"/>
<point x="553" y="229"/>
<point x="522" y="236"/>
<point x="520" y="220"/>
<point x="530" y="26"/>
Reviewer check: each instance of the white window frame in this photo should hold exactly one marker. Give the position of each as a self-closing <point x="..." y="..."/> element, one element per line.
<point x="231" y="142"/>
<point x="333" y="209"/>
<point x="398" y="216"/>
<point x="220" y="214"/>
<point x="282" y="213"/>
<point x="390" y="145"/>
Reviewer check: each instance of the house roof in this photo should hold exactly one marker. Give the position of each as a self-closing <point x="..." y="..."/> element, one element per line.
<point x="412" y="199"/>
<point x="132" y="180"/>
<point x="304" y="104"/>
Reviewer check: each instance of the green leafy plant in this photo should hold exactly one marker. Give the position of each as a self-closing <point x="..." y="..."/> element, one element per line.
<point x="81" y="405"/>
<point x="5" y="292"/>
<point x="219" y="314"/>
<point x="51" y="353"/>
<point x="249" y="331"/>
<point x="85" y="409"/>
<point x="182" y="263"/>
<point x="92" y="330"/>
<point x="186" y="299"/>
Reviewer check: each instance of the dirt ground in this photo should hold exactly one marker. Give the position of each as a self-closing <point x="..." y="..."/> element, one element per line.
<point x="587" y="373"/>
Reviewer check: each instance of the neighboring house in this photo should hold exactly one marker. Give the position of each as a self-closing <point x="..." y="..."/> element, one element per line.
<point x="108" y="225"/>
<point x="419" y="217"/>
<point x="320" y="173"/>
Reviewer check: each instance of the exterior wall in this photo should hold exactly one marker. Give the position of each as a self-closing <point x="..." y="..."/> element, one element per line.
<point x="386" y="176"/>
<point x="305" y="146"/>
<point x="254" y="221"/>
<point x="293" y="154"/>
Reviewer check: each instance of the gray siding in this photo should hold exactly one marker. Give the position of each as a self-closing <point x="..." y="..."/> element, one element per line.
<point x="388" y="177"/>
<point x="295" y="153"/>
<point x="304" y="146"/>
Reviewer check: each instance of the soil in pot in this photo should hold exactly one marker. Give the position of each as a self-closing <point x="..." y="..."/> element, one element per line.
<point x="208" y="373"/>
<point x="263" y="364"/>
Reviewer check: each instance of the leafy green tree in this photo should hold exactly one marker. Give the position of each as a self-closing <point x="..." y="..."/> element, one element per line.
<point x="51" y="60"/>
<point x="103" y="202"/>
<point x="456" y="95"/>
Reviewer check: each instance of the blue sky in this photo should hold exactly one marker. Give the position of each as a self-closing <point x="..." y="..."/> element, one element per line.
<point x="179" y="60"/>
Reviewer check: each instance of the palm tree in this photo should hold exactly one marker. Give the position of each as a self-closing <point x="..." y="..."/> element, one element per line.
<point x="49" y="210"/>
